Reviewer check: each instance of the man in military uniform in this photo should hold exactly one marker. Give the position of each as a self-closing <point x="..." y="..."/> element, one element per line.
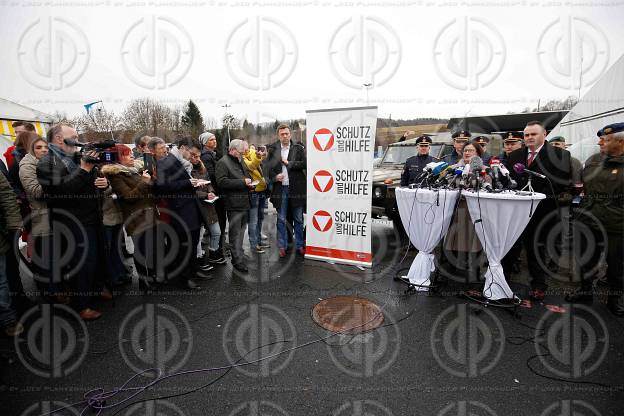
<point x="577" y="166"/>
<point x="602" y="210"/>
<point x="415" y="164"/>
<point x="512" y="141"/>
<point x="600" y="155"/>
<point x="459" y="140"/>
<point x="484" y="142"/>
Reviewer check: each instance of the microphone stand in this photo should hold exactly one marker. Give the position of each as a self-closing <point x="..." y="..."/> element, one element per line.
<point x="529" y="186"/>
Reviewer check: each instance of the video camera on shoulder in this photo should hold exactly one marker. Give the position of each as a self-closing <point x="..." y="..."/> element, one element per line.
<point x="105" y="150"/>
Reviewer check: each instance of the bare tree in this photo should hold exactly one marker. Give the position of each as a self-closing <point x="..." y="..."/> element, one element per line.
<point x="98" y="121"/>
<point x="150" y="117"/>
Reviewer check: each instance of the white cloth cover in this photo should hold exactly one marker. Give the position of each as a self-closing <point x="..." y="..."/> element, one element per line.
<point x="503" y="217"/>
<point x="426" y="215"/>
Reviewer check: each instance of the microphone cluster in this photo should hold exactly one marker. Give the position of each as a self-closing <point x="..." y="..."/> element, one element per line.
<point x="474" y="176"/>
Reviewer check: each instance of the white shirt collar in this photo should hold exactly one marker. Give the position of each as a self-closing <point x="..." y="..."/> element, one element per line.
<point x="537" y="150"/>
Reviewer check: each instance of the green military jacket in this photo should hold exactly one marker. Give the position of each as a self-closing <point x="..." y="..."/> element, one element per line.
<point x="604" y="194"/>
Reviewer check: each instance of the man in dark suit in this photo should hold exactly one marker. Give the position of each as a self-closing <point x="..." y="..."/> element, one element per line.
<point x="286" y="164"/>
<point x="177" y="188"/>
<point x="554" y="163"/>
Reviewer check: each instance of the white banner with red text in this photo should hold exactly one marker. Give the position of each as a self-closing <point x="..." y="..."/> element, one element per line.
<point x="340" y="146"/>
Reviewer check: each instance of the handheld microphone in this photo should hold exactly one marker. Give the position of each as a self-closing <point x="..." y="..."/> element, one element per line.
<point x="520" y="169"/>
<point x="439" y="167"/>
<point x="464" y="176"/>
<point x="427" y="170"/>
<point x="496" y="173"/>
<point x="511" y="184"/>
<point x="476" y="165"/>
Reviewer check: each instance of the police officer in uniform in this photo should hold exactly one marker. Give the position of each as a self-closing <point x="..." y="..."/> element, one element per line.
<point x="415" y="164"/>
<point x="459" y="140"/>
<point x="602" y="210"/>
<point x="484" y="142"/>
<point x="512" y="141"/>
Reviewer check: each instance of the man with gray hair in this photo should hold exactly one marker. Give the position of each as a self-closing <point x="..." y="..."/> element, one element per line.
<point x="234" y="183"/>
<point x="602" y="210"/>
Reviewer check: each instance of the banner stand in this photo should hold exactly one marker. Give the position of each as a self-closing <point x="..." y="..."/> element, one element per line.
<point x="340" y="150"/>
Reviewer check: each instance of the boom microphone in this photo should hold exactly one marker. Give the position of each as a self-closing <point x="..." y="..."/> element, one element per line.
<point x="520" y="169"/>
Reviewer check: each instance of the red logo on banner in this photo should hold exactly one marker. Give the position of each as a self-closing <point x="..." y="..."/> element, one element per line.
<point x="323" y="181"/>
<point x="323" y="139"/>
<point x="322" y="221"/>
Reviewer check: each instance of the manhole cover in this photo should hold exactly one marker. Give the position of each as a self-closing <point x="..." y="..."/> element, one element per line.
<point x="347" y="314"/>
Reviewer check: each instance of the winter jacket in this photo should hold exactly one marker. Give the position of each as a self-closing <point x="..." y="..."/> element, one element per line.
<point x="173" y="184"/>
<point x="10" y="218"/>
<point x="231" y="174"/>
<point x="39" y="219"/>
<point x="604" y="194"/>
<point x="253" y="163"/>
<point x="135" y="197"/>
<point x="207" y="209"/>
<point x="66" y="192"/>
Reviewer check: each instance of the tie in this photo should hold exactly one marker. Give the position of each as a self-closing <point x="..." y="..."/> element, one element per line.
<point x="531" y="157"/>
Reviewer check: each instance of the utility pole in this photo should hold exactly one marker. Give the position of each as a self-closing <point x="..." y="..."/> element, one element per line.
<point x="367" y="86"/>
<point x="226" y="106"/>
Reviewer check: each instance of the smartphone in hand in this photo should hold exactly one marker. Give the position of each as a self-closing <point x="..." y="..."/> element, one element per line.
<point x="148" y="163"/>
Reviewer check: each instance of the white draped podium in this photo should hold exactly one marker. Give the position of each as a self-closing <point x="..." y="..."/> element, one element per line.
<point x="426" y="215"/>
<point x="499" y="220"/>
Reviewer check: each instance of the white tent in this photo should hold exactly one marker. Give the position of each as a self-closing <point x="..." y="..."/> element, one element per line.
<point x="603" y="104"/>
<point x="10" y="112"/>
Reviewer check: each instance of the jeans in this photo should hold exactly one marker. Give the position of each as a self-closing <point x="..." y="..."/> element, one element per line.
<point x="256" y="217"/>
<point x="282" y="228"/>
<point x="7" y="313"/>
<point x="114" y="262"/>
<point x="212" y="236"/>
<point x="238" y="224"/>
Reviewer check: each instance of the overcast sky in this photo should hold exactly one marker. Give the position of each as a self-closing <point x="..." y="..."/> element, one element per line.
<point x="277" y="59"/>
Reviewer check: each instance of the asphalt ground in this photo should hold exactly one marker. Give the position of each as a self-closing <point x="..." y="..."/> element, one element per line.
<point x="247" y="345"/>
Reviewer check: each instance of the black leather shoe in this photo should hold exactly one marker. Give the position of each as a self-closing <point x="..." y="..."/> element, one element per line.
<point x="580" y="296"/>
<point x="241" y="267"/>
